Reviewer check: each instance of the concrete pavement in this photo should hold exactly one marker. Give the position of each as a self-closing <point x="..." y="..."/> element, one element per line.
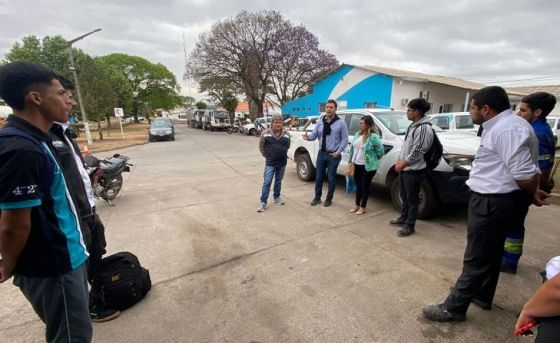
<point x="222" y="272"/>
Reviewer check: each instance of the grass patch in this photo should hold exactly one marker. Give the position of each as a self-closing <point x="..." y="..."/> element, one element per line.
<point x="112" y="138"/>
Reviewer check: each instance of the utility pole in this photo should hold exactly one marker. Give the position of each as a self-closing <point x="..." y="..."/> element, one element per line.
<point x="73" y="69"/>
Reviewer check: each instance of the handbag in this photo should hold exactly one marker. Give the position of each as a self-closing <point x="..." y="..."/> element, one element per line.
<point x="350" y="184"/>
<point x="351" y="167"/>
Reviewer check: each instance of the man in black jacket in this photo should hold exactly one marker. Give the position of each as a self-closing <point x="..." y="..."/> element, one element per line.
<point x="81" y="191"/>
<point x="274" y="145"/>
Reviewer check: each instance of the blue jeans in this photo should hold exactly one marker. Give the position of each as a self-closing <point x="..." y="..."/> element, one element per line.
<point x="269" y="172"/>
<point x="326" y="163"/>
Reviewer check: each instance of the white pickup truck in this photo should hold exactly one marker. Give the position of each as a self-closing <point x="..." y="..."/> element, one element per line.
<point x="445" y="184"/>
<point x="455" y="122"/>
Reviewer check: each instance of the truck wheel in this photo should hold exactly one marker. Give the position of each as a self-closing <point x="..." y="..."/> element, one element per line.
<point x="304" y="167"/>
<point x="429" y="201"/>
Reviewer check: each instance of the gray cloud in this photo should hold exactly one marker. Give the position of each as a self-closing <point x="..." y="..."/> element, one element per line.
<point x="477" y="40"/>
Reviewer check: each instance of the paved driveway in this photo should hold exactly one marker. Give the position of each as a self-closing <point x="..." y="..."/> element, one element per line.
<point x="222" y="272"/>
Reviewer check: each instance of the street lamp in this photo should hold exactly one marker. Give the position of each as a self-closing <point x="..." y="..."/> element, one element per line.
<point x="73" y="69"/>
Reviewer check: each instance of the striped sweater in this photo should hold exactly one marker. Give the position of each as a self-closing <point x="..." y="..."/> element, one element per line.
<point x="417" y="142"/>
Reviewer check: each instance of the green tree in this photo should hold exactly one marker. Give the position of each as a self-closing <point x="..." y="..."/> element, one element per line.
<point x="119" y="84"/>
<point x="223" y="91"/>
<point x="147" y="82"/>
<point x="98" y="95"/>
<point x="51" y="51"/>
<point x="201" y="105"/>
<point x="230" y="102"/>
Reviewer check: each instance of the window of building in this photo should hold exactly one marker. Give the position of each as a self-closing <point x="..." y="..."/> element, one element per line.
<point x="446" y="108"/>
<point x="322" y="106"/>
<point x="370" y="104"/>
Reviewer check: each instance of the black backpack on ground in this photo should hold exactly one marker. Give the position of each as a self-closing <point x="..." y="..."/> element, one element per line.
<point x="433" y="155"/>
<point x="120" y="282"/>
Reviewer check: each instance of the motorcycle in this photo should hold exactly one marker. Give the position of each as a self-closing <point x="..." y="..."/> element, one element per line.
<point x="106" y="175"/>
<point x="237" y="127"/>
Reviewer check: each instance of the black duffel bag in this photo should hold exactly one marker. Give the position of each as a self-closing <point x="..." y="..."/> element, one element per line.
<point x="119" y="282"/>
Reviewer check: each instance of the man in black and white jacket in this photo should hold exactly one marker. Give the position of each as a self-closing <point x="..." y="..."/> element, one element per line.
<point x="411" y="164"/>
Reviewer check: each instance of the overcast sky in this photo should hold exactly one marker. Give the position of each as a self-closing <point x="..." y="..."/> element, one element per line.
<point x="485" y="41"/>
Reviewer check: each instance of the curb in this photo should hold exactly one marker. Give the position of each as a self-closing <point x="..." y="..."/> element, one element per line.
<point x="93" y="150"/>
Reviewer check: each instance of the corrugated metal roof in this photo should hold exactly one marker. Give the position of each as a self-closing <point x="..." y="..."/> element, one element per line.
<point x="445" y="80"/>
<point x="552" y="89"/>
<point x="451" y="81"/>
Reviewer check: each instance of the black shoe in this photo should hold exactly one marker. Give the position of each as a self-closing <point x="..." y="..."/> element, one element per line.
<point x="508" y="269"/>
<point x="480" y="303"/>
<point x="405" y="231"/>
<point x="398" y="222"/>
<point x="327" y="203"/>
<point x="101" y="314"/>
<point x="438" y="313"/>
<point x="315" y="202"/>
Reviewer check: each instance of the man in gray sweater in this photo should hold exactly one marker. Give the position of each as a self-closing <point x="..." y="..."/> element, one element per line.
<point x="411" y="164"/>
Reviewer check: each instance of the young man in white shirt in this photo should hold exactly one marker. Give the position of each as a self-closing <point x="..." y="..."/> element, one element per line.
<point x="504" y="180"/>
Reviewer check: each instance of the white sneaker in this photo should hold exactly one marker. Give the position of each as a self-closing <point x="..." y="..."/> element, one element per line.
<point x="279" y="201"/>
<point x="261" y="207"/>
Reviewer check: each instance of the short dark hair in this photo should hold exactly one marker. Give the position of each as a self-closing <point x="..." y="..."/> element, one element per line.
<point x="419" y="104"/>
<point x="67" y="84"/>
<point x="544" y="101"/>
<point x="17" y="79"/>
<point x="332" y="101"/>
<point x="494" y="97"/>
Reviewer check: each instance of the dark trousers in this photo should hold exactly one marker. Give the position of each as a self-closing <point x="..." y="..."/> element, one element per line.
<point x="97" y="244"/>
<point x="549" y="330"/>
<point x="326" y="164"/>
<point x="62" y="304"/>
<point x="410" y="180"/>
<point x="513" y="248"/>
<point x="362" y="178"/>
<point x="490" y="218"/>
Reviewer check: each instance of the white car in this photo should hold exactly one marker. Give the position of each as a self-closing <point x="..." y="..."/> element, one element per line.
<point x="445" y="184"/>
<point x="257" y="126"/>
<point x="554" y="123"/>
<point x="455" y="122"/>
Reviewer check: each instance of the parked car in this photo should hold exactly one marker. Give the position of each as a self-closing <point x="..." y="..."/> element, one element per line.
<point x="445" y="184"/>
<point x="168" y="121"/>
<point x="257" y="126"/>
<point x="455" y="122"/>
<point x="554" y="122"/>
<point x="300" y="123"/>
<point x="161" y="129"/>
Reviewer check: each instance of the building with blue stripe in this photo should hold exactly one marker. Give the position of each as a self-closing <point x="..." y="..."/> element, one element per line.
<point x="378" y="87"/>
